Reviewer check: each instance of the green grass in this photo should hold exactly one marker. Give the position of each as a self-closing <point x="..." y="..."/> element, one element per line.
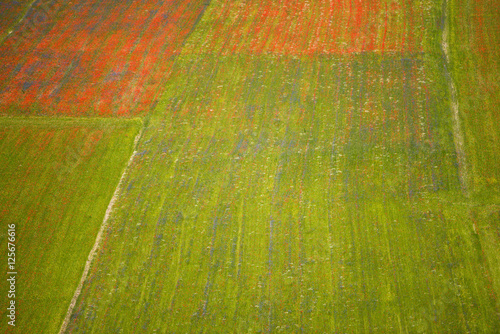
<point x="57" y="177"/>
<point x="286" y="194"/>
<point x="275" y="192"/>
<point x="475" y="53"/>
<point x="475" y="37"/>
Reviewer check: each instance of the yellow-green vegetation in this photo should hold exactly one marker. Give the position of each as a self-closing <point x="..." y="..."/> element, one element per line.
<point x="303" y="189"/>
<point x="57" y="177"/>
<point x="309" y="166"/>
<point x="285" y="194"/>
<point x="475" y="53"/>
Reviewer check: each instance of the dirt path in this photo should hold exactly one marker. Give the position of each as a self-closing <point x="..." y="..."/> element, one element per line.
<point x="458" y="136"/>
<point x="97" y="242"/>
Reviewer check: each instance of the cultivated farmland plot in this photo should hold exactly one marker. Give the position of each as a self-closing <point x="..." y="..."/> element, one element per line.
<point x="92" y="58"/>
<point x="319" y="166"/>
<point x="264" y="201"/>
<point x="57" y="177"/>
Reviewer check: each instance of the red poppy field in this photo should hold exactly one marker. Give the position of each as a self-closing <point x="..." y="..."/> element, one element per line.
<point x="92" y="58"/>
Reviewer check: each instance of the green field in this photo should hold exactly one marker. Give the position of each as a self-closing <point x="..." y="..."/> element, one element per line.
<point x="475" y="66"/>
<point x="296" y="172"/>
<point x="57" y="177"/>
<point x="315" y="199"/>
<point x="476" y="70"/>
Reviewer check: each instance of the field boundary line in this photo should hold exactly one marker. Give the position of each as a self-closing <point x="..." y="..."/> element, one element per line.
<point x="97" y="242"/>
<point x="458" y="136"/>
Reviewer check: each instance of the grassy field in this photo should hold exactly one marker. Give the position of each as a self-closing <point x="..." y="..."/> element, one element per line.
<point x="475" y="34"/>
<point x="288" y="188"/>
<point x="300" y="167"/>
<point x="57" y="177"/>
<point x="276" y="194"/>
<point x="476" y="69"/>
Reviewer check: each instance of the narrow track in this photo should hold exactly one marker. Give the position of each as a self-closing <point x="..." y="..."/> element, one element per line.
<point x="458" y="136"/>
<point x="97" y="242"/>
